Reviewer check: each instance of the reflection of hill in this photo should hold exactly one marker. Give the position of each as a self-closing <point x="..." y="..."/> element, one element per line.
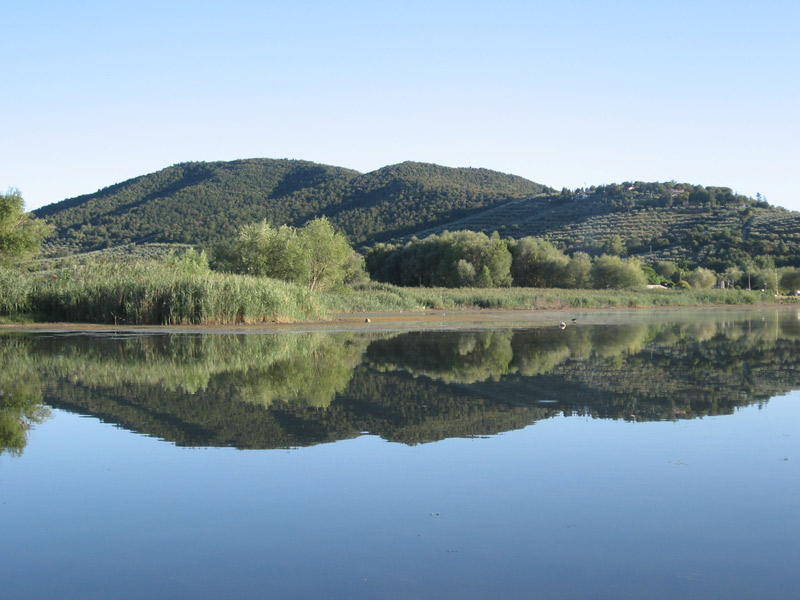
<point x="269" y="391"/>
<point x="658" y="372"/>
<point x="401" y="408"/>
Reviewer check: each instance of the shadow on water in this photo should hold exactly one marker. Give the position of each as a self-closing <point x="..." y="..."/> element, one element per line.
<point x="287" y="390"/>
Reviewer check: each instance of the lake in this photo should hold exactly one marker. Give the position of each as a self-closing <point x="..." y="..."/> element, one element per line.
<point x="638" y="454"/>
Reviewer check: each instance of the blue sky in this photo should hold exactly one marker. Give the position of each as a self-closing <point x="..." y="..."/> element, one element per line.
<point x="564" y="93"/>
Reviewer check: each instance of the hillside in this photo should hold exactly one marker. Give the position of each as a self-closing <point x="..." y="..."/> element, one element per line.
<point x="198" y="203"/>
<point x="713" y="227"/>
<point x="203" y="203"/>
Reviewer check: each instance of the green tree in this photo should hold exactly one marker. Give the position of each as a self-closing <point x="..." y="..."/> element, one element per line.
<point x="21" y="235"/>
<point x="666" y="269"/>
<point x="537" y="263"/>
<point x="732" y="276"/>
<point x="259" y="249"/>
<point x="613" y="272"/>
<point x="324" y="254"/>
<point x="701" y="278"/>
<point x="614" y="246"/>
<point x="578" y="272"/>
<point x="190" y="262"/>
<point x="651" y="275"/>
<point x="315" y="256"/>
<point x="790" y="280"/>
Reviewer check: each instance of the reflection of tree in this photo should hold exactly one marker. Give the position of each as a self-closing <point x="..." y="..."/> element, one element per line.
<point x="20" y="399"/>
<point x="462" y="357"/>
<point x="470" y="357"/>
<point x="262" y="368"/>
<point x="266" y="391"/>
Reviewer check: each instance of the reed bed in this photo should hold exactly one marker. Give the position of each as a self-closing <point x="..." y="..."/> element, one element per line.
<point x="15" y="292"/>
<point x="156" y="293"/>
<point x="162" y="293"/>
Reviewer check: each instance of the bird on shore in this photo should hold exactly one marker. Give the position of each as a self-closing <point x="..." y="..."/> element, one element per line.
<point x="563" y="325"/>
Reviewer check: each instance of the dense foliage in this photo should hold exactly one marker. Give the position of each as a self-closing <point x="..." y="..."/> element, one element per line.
<point x="206" y="203"/>
<point x="468" y="259"/>
<point x="315" y="256"/>
<point x="21" y="234"/>
<point x="711" y="227"/>
<point x="680" y="234"/>
<point x="460" y="259"/>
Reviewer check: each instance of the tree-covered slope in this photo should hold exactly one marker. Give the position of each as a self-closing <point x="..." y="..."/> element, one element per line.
<point x="402" y="199"/>
<point x="204" y="203"/>
<point x="198" y="203"/>
<point x="710" y="226"/>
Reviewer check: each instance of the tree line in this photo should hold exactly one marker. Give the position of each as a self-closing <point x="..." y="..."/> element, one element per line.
<point x="319" y="257"/>
<point x="470" y="259"/>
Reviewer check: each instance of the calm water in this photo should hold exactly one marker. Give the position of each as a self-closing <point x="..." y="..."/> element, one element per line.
<point x="643" y="457"/>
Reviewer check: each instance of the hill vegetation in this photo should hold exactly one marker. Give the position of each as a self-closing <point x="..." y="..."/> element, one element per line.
<point x="206" y="203"/>
<point x="711" y="227"/>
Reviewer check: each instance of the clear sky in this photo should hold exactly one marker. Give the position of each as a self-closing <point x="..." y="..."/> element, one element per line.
<point x="567" y="93"/>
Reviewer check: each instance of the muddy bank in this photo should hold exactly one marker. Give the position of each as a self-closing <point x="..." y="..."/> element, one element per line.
<point x="422" y="320"/>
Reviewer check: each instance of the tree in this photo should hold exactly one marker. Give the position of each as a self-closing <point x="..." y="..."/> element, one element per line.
<point x="21" y="235"/>
<point x="324" y="254"/>
<point x="259" y="249"/>
<point x="537" y="263"/>
<point x="315" y="256"/>
<point x="665" y="268"/>
<point x="732" y="276"/>
<point x="701" y="278"/>
<point x="653" y="278"/>
<point x="613" y="272"/>
<point x="578" y="273"/>
<point x="790" y="280"/>
<point x="613" y="246"/>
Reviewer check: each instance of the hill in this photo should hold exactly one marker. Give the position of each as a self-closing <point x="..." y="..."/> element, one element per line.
<point x="198" y="203"/>
<point x="203" y="203"/>
<point x="710" y="226"/>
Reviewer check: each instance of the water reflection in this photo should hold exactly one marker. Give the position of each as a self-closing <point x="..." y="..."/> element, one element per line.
<point x="277" y="391"/>
<point x="21" y="404"/>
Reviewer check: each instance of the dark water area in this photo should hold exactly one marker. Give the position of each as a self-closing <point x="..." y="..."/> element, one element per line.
<point x="636" y="458"/>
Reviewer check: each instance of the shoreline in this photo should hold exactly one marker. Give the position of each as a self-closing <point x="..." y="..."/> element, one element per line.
<point x="423" y="320"/>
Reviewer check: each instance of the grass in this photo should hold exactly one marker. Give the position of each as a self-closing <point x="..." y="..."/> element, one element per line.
<point x="155" y="292"/>
<point x="385" y="297"/>
<point x="152" y="292"/>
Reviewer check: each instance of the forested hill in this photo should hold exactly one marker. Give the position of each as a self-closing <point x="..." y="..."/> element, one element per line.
<point x="203" y="203"/>
<point x="709" y="226"/>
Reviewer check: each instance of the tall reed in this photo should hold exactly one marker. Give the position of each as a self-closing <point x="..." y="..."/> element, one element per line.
<point x="15" y="292"/>
<point x="155" y="293"/>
